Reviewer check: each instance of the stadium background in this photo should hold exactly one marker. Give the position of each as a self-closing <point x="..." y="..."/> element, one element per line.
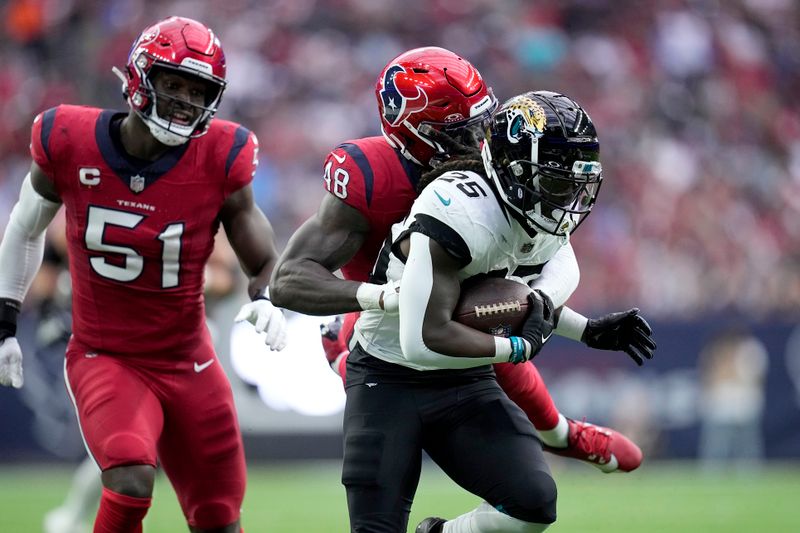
<point x="698" y="223"/>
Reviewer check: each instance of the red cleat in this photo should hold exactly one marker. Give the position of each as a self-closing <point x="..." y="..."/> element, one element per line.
<point x="602" y="447"/>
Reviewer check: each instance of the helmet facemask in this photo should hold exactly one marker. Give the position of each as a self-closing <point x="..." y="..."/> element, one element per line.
<point x="556" y="201"/>
<point x="166" y="129"/>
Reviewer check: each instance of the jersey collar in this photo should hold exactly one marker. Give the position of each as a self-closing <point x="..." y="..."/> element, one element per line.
<point x="125" y="166"/>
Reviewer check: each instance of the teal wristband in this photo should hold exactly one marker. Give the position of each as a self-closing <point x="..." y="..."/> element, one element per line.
<point x="517" y="350"/>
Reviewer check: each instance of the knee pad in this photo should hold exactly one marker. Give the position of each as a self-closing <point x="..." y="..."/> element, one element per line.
<point x="536" y="504"/>
<point x="362" y="458"/>
<point x="126" y="449"/>
<point x="213" y="515"/>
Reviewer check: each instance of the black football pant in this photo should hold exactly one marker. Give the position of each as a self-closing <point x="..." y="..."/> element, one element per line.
<point x="473" y="432"/>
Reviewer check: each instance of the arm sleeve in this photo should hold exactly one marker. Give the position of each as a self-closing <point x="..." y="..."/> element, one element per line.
<point x="241" y="161"/>
<point x="560" y="276"/>
<point x="571" y="324"/>
<point x="23" y="242"/>
<point x="415" y="292"/>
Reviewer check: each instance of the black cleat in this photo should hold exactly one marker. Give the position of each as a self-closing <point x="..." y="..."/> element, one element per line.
<point x="432" y="524"/>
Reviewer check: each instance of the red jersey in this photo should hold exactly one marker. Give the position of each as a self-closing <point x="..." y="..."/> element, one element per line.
<point x="139" y="233"/>
<point x="371" y="176"/>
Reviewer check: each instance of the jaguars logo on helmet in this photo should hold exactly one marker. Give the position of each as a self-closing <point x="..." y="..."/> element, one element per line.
<point x="525" y="115"/>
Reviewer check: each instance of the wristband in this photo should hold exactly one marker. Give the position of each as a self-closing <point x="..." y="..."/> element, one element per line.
<point x="261" y="294"/>
<point x="520" y="348"/>
<point x="571" y="324"/>
<point x="9" y="310"/>
<point x="502" y="349"/>
<point x="369" y="296"/>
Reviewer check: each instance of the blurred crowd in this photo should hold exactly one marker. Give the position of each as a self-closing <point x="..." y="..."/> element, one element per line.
<point x="696" y="103"/>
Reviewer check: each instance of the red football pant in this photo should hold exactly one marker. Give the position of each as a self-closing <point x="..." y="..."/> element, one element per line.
<point x="525" y="387"/>
<point x="141" y="411"/>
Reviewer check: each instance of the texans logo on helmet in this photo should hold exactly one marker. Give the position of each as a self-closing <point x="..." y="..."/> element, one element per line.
<point x="396" y="106"/>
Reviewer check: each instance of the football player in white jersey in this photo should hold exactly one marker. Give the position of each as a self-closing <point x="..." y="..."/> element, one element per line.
<point x="421" y="381"/>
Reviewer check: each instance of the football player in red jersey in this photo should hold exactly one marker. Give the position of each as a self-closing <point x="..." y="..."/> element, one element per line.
<point x="145" y="193"/>
<point x="433" y="104"/>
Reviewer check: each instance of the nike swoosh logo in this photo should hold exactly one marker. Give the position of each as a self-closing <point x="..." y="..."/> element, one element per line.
<point x="200" y="367"/>
<point x="544" y="339"/>
<point x="444" y="201"/>
<point x="340" y="160"/>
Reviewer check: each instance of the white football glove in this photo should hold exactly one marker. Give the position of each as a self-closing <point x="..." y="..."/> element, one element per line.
<point x="10" y="363"/>
<point x="266" y="318"/>
<point x="391" y="297"/>
<point x="385" y="297"/>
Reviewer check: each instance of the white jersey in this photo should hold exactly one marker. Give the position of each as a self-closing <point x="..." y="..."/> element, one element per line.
<point x="460" y="211"/>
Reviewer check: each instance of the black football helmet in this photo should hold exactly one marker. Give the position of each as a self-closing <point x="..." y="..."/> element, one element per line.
<point x="541" y="151"/>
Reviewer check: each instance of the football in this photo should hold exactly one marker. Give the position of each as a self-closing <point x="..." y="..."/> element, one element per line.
<point x="493" y="305"/>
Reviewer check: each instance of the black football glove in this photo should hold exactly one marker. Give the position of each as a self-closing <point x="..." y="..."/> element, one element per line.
<point x="538" y="326"/>
<point x="626" y="332"/>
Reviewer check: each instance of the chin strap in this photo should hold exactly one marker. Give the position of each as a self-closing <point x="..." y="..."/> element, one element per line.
<point x="161" y="132"/>
<point x="122" y="78"/>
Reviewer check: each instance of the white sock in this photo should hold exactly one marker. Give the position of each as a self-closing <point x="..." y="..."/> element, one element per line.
<point x="558" y="437"/>
<point x="487" y="519"/>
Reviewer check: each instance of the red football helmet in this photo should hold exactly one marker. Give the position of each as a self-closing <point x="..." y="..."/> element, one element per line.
<point x="180" y="45"/>
<point x="430" y="86"/>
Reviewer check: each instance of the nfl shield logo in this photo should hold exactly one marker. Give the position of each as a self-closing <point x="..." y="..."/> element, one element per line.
<point x="137" y="183"/>
<point x="526" y="248"/>
<point x="501" y="331"/>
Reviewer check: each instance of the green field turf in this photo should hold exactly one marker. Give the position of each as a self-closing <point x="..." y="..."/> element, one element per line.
<point x="307" y="498"/>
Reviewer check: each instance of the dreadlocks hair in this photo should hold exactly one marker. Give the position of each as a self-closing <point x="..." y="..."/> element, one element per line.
<point x="468" y="162"/>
